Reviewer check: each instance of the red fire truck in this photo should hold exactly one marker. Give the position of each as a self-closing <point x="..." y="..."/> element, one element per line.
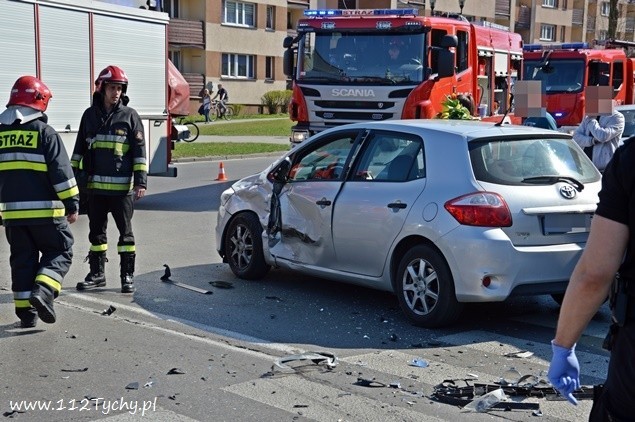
<point x="344" y="66"/>
<point x="565" y="70"/>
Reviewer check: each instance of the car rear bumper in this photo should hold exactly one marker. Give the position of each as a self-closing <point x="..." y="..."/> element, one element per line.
<point x="510" y="270"/>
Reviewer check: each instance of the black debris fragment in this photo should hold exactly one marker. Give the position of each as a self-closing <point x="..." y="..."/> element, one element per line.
<point x="394" y="337"/>
<point x="222" y="284"/>
<point x="74" y="370"/>
<point x="132" y="386"/>
<point x="297" y="406"/>
<point x="175" y="371"/>
<point x="109" y="311"/>
<point x="166" y="276"/>
<point x="373" y="383"/>
<point x="11" y="413"/>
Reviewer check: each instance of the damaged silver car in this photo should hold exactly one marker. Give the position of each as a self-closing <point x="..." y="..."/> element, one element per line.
<point x="439" y="212"/>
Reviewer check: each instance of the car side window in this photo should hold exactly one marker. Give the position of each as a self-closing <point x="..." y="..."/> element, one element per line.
<point x="324" y="162"/>
<point x="391" y="157"/>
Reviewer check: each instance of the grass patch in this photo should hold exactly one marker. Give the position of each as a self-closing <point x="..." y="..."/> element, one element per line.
<point x="278" y="127"/>
<point x="215" y="149"/>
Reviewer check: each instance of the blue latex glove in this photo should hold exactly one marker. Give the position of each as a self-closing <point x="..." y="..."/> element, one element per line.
<point x="564" y="371"/>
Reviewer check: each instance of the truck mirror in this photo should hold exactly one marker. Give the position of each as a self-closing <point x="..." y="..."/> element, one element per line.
<point x="449" y="41"/>
<point x="445" y="63"/>
<point x="287" y="42"/>
<point x="287" y="62"/>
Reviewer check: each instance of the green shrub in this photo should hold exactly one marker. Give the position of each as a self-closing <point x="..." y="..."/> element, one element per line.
<point x="276" y="100"/>
<point x="238" y="108"/>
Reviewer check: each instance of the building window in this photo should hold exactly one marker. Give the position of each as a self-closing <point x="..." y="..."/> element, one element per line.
<point x="549" y="3"/>
<point x="238" y="66"/>
<point x="239" y="13"/>
<point x="269" y="70"/>
<point x="175" y="58"/>
<point x="562" y="33"/>
<point x="171" y="7"/>
<point x="271" y="17"/>
<point x="605" y="8"/>
<point x="547" y="32"/>
<point x="602" y="35"/>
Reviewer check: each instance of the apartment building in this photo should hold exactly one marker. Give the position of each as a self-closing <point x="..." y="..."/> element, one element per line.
<point x="239" y="42"/>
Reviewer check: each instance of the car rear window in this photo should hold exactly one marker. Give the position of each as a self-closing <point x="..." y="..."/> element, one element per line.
<point x="509" y="162"/>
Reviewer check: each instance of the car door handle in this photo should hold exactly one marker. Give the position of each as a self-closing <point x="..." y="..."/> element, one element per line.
<point x="397" y="205"/>
<point x="323" y="202"/>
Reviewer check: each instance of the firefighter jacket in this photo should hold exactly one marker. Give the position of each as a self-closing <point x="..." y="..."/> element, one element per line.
<point x="37" y="185"/>
<point x="110" y="149"/>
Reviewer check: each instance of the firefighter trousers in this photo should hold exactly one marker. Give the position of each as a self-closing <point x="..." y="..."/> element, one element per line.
<point x="40" y="254"/>
<point x="121" y="207"/>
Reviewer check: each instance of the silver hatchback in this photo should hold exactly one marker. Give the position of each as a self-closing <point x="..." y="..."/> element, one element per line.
<point x="438" y="212"/>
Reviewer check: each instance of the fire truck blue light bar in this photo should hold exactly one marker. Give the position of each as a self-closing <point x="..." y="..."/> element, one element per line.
<point x="359" y="12"/>
<point x="565" y="46"/>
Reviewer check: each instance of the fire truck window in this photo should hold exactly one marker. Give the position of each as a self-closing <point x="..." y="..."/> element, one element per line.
<point x="435" y="41"/>
<point x="618" y="77"/>
<point x="461" y="51"/>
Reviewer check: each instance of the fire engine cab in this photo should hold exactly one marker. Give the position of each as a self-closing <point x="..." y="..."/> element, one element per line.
<point x="380" y="64"/>
<point x="565" y="70"/>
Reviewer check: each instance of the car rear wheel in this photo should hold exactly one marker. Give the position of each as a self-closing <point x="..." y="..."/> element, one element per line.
<point x="243" y="247"/>
<point x="425" y="288"/>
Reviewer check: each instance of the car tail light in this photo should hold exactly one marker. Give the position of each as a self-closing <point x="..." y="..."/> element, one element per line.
<point x="483" y="209"/>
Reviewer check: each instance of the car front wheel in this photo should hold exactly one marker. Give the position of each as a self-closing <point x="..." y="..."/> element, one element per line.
<point x="425" y="288"/>
<point x="243" y="247"/>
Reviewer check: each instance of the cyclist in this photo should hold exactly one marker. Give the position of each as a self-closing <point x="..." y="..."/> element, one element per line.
<point x="223" y="99"/>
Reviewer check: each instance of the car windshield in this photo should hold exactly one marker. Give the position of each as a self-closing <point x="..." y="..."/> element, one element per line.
<point x="556" y="75"/>
<point x="527" y="161"/>
<point x="361" y="58"/>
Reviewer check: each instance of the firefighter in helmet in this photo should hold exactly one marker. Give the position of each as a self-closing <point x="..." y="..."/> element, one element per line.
<point x="36" y="219"/>
<point x="110" y="150"/>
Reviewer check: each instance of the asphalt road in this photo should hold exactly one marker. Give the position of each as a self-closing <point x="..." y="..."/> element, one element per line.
<point x="224" y="344"/>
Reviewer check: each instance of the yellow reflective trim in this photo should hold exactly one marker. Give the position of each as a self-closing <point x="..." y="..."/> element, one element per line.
<point x="126" y="248"/>
<point x="110" y="186"/>
<point x="140" y="167"/>
<point x="24" y="214"/>
<point x="68" y="193"/>
<point x="99" y="248"/>
<point x="21" y="303"/>
<point x="115" y="146"/>
<point x="19" y="138"/>
<point x="44" y="279"/>
<point x="23" y="165"/>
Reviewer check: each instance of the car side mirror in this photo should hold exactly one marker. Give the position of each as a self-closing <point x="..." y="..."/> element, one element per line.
<point x="281" y="172"/>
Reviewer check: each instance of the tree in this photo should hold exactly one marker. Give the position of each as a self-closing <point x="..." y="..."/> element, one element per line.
<point x="613" y="15"/>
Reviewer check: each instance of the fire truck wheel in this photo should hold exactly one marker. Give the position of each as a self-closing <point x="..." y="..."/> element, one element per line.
<point x="425" y="288"/>
<point x="243" y="247"/>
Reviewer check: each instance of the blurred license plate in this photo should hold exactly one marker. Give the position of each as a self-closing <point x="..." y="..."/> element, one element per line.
<point x="566" y="223"/>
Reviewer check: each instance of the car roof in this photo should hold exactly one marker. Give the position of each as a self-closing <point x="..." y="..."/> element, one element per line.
<point x="470" y="129"/>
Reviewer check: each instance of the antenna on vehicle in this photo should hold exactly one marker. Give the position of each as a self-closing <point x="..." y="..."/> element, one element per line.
<point x="507" y="110"/>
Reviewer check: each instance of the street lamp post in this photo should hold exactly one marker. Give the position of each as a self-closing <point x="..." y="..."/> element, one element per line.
<point x="461" y="4"/>
<point x="432" y="3"/>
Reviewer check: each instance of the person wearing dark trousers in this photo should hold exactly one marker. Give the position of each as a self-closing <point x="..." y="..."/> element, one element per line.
<point x="223" y="98"/>
<point x="39" y="198"/>
<point x="110" y="148"/>
<point x="605" y="269"/>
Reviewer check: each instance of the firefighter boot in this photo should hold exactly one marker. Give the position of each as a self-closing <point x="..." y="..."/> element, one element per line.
<point x="42" y="300"/>
<point x="97" y="275"/>
<point x="127" y="272"/>
<point x="28" y="317"/>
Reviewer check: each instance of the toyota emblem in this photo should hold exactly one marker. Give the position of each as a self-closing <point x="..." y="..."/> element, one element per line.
<point x="568" y="191"/>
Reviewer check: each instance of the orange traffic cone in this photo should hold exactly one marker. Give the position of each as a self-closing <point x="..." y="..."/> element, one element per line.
<point x="221" y="172"/>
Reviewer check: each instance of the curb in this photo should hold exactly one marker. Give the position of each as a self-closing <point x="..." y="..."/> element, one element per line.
<point x="227" y="157"/>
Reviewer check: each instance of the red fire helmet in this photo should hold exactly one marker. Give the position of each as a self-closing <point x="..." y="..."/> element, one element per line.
<point x="112" y="75"/>
<point x="31" y="92"/>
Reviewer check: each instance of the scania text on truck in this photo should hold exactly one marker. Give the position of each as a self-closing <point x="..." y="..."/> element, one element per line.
<point x="380" y="64"/>
<point x="66" y="43"/>
<point x="565" y="71"/>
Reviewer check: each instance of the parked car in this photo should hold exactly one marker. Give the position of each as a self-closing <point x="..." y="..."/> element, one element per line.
<point x="629" y="120"/>
<point x="439" y="212"/>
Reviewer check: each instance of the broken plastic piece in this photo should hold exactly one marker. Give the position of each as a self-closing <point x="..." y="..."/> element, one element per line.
<point x="175" y="371"/>
<point x="486" y="401"/>
<point x="325" y="358"/>
<point x="109" y="311"/>
<point x="537" y="412"/>
<point x="421" y="363"/>
<point x="74" y="370"/>
<point x="521" y="354"/>
<point x="132" y="386"/>
<point x="222" y="284"/>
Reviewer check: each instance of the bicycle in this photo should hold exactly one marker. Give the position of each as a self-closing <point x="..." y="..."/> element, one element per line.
<point x="193" y="128"/>
<point x="214" y="112"/>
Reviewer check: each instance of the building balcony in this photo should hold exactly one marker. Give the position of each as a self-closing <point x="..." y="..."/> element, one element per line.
<point x="197" y="83"/>
<point x="590" y="24"/>
<point x="186" y="33"/>
<point x="578" y="17"/>
<point x="502" y="8"/>
<point x="523" y="19"/>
